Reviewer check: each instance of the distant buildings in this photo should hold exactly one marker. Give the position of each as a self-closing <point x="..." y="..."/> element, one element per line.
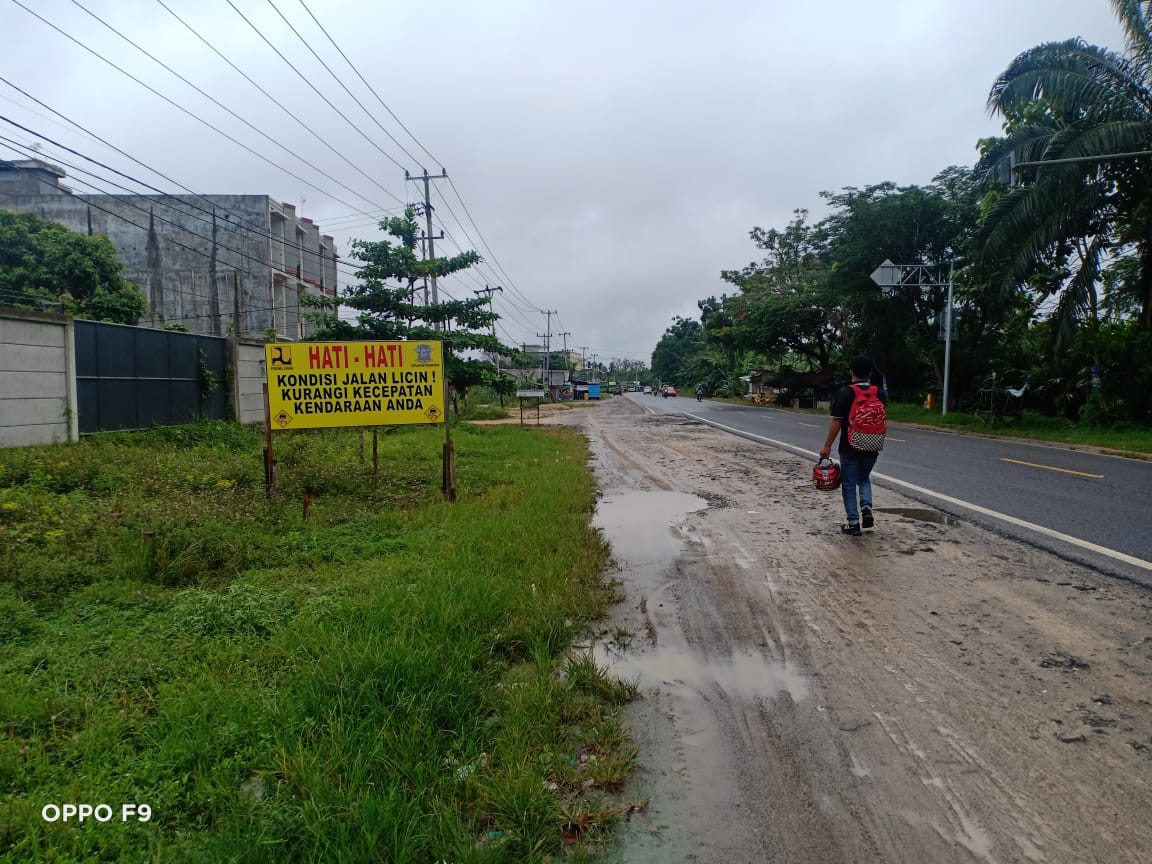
<point x="204" y="261"/>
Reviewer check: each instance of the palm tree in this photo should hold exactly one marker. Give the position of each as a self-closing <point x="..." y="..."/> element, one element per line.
<point x="1074" y="101"/>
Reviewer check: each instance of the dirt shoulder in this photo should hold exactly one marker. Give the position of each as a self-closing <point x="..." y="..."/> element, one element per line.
<point x="926" y="693"/>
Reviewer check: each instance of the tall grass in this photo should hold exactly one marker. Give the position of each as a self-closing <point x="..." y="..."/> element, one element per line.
<point x="387" y="680"/>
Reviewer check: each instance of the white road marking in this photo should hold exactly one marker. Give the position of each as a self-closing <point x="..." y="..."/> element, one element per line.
<point x="975" y="508"/>
<point x="813" y="425"/>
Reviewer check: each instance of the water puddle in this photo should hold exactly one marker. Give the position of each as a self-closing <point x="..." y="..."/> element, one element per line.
<point x="921" y="514"/>
<point x="744" y="676"/>
<point x="639" y="525"/>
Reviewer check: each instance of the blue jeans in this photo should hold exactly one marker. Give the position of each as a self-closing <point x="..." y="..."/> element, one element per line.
<point x="855" y="472"/>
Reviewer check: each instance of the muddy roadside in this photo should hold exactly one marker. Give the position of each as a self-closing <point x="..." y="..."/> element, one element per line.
<point x="931" y="692"/>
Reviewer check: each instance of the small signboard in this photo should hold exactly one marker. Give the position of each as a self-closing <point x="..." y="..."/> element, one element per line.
<point x="325" y="384"/>
<point x="528" y="394"/>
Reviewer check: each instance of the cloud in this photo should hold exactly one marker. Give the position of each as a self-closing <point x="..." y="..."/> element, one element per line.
<point x="614" y="155"/>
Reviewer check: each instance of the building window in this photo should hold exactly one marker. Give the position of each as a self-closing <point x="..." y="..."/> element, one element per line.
<point x="280" y="307"/>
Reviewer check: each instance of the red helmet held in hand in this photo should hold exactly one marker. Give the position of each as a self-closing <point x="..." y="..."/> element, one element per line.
<point x="826" y="475"/>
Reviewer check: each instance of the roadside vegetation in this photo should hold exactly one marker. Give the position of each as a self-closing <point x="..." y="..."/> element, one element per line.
<point x="1129" y="438"/>
<point x="388" y="679"/>
<point x="1051" y="264"/>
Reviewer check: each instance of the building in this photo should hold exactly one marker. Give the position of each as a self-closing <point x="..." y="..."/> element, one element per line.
<point x="213" y="263"/>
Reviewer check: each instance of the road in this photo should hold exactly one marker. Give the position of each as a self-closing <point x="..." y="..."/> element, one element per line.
<point x="1087" y="497"/>
<point x="935" y="692"/>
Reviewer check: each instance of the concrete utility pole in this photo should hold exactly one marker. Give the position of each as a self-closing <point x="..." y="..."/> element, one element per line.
<point x="544" y="362"/>
<point x="565" y="336"/>
<point x="548" y="342"/>
<point x="489" y="292"/>
<point x="448" y="484"/>
<point x="430" y="252"/>
<point x="583" y="359"/>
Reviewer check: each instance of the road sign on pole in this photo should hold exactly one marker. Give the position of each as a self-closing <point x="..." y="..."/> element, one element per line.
<point x="891" y="277"/>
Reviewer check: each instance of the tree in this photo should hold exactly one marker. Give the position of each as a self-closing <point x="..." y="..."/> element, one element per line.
<point x="1065" y="100"/>
<point x="674" y="351"/>
<point x="43" y="264"/>
<point x="386" y="299"/>
<point x="785" y="306"/>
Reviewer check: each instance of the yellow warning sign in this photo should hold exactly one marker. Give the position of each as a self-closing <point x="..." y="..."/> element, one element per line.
<point x="317" y="384"/>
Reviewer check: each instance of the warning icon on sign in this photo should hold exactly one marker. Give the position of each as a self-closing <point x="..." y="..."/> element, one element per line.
<point x="283" y="418"/>
<point x="433" y="413"/>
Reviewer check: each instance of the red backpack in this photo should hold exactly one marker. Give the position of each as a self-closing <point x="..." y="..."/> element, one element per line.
<point x="867" y="419"/>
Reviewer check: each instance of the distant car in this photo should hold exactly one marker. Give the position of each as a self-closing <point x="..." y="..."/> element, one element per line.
<point x="669" y="390"/>
<point x="648" y="390"/>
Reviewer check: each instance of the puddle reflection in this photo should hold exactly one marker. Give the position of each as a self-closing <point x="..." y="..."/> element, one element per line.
<point x="638" y="524"/>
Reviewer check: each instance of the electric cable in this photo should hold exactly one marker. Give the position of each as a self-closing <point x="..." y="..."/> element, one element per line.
<point x="371" y="89"/>
<point x="274" y="100"/>
<point x="215" y="129"/>
<point x="259" y="232"/>
<point x="315" y="89"/>
<point x="336" y="78"/>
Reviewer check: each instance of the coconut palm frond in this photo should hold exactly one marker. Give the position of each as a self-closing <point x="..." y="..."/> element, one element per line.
<point x="1135" y="17"/>
<point x="1028" y="222"/>
<point x="1119" y="136"/>
<point x="1027" y="144"/>
<point x="1077" y="300"/>
<point x="1073" y="77"/>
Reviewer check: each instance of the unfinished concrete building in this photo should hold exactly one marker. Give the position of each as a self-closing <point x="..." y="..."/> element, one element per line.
<point x="216" y="264"/>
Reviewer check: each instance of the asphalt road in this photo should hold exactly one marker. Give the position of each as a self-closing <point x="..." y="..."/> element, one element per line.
<point x="1072" y="500"/>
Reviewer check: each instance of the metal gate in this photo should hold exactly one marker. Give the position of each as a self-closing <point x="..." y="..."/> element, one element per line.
<point x="137" y="377"/>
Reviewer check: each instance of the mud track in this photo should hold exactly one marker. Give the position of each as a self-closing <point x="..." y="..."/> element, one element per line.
<point x="926" y="693"/>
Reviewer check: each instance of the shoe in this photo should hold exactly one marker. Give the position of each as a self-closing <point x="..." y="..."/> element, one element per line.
<point x="866" y="520"/>
<point x="851" y="530"/>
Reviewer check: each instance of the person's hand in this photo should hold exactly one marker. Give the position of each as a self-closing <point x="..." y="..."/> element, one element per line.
<point x="825" y="451"/>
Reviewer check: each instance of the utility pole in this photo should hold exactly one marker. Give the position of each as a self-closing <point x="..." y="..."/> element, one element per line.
<point x="489" y="292"/>
<point x="548" y="344"/>
<point x="565" y="336"/>
<point x="583" y="359"/>
<point x="448" y="483"/>
<point x="430" y="252"/>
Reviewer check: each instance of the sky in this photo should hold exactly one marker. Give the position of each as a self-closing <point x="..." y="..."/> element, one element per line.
<point x="610" y="157"/>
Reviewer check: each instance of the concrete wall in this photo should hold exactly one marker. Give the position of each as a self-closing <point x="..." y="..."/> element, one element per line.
<point x="184" y="252"/>
<point x="208" y="262"/>
<point x="248" y="381"/>
<point x="37" y="379"/>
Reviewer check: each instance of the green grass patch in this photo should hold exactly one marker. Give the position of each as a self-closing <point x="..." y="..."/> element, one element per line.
<point x="483" y="412"/>
<point x="1134" y="439"/>
<point x="386" y="680"/>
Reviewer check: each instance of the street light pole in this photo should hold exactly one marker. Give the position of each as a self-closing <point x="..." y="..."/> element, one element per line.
<point x="947" y="342"/>
<point x="891" y="277"/>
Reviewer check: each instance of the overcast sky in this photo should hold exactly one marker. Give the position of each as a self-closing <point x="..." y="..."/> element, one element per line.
<point x="613" y="154"/>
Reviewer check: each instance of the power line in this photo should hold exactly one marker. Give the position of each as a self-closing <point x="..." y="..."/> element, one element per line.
<point x="275" y="101"/>
<point x="215" y="129"/>
<point x="336" y="78"/>
<point x="495" y="260"/>
<point x="315" y="90"/>
<point x="258" y="232"/>
<point x="491" y="275"/>
<point x="451" y="183"/>
<point x="18" y="147"/>
<point x="371" y="89"/>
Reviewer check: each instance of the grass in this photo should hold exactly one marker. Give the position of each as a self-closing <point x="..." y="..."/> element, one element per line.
<point x="484" y="412"/>
<point x="1133" y="439"/>
<point x="386" y="680"/>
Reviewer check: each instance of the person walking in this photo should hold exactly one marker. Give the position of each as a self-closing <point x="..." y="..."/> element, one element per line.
<point x="859" y="418"/>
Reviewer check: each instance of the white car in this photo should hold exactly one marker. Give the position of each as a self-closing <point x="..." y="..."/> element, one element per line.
<point x="648" y="390"/>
